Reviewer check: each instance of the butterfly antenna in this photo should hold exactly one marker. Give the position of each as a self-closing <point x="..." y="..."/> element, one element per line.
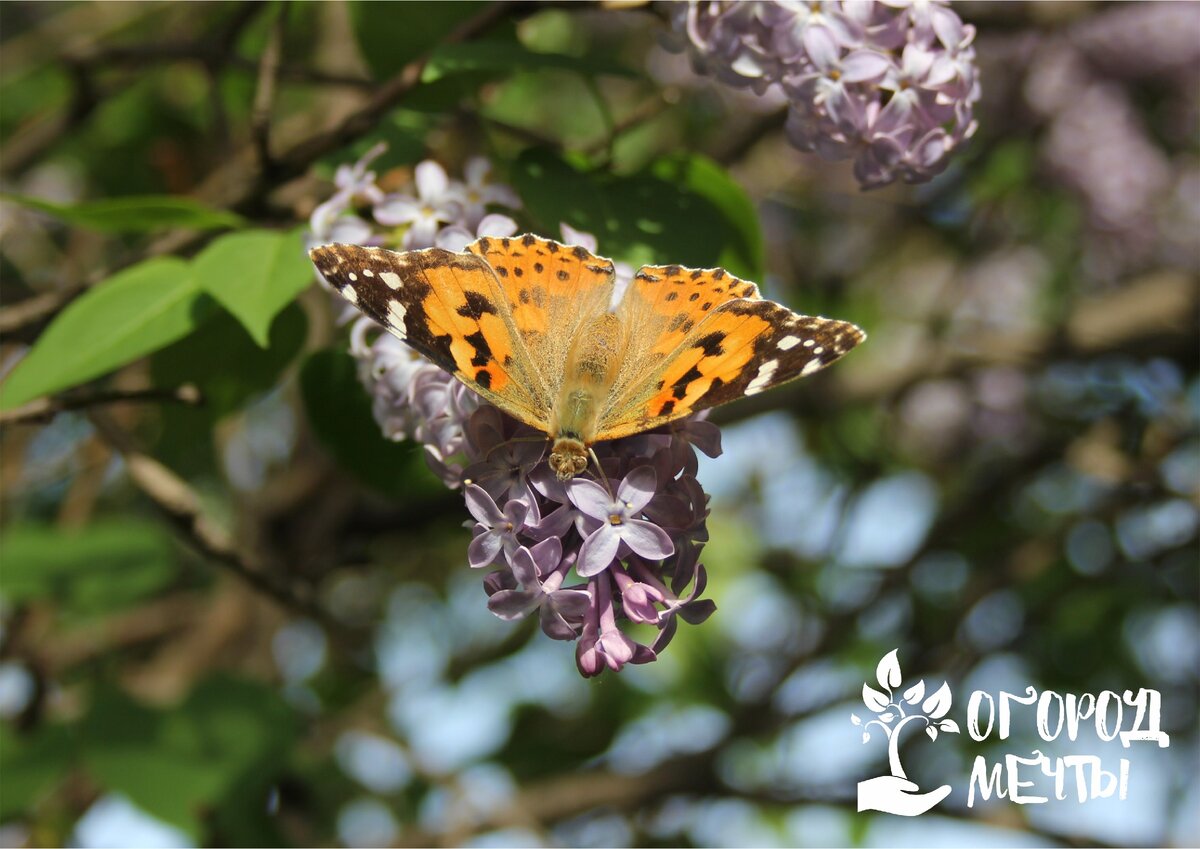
<point x="600" y="476"/>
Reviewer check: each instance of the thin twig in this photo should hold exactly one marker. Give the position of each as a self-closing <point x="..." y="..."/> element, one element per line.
<point x="643" y="113"/>
<point x="264" y="94"/>
<point x="241" y="184"/>
<point x="179" y="502"/>
<point x="362" y="121"/>
<point x="138" y="56"/>
<point x="43" y="410"/>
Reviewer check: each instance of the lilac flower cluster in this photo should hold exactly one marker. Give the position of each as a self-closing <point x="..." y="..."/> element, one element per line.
<point x="1097" y="140"/>
<point x="587" y="554"/>
<point x="892" y="83"/>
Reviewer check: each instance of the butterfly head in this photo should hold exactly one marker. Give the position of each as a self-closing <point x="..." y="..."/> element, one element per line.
<point x="568" y="457"/>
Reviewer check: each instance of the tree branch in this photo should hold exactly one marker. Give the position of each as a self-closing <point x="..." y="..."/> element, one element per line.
<point x="181" y="505"/>
<point x="43" y="410"/>
<point x="264" y="94"/>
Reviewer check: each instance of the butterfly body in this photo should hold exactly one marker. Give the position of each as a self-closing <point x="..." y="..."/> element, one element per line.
<point x="531" y="325"/>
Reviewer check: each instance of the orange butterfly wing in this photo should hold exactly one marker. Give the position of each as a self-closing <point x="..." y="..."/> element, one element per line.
<point x="452" y="308"/>
<point x="725" y="344"/>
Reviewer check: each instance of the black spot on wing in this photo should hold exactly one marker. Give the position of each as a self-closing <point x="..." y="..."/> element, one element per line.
<point x="477" y="304"/>
<point x="711" y="343"/>
<point x="679" y="387"/>
<point x="483" y="351"/>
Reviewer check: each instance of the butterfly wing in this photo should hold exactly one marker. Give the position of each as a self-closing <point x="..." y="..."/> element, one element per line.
<point x="555" y="294"/>
<point x="450" y="307"/>
<point x="688" y="354"/>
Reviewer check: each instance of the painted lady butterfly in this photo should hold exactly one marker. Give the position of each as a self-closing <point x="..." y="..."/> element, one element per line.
<point x="531" y="325"/>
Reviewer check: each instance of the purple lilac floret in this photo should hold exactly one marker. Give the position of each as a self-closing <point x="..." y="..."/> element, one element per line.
<point x="585" y="555"/>
<point x="891" y="84"/>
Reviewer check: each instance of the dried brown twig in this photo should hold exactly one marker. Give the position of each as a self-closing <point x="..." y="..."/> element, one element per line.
<point x="43" y="410"/>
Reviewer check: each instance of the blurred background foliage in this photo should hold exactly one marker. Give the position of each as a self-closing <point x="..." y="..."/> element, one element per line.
<point x="249" y="620"/>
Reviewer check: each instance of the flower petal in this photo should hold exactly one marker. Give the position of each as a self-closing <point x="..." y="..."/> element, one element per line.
<point x="476" y="171"/>
<point x="571" y="604"/>
<point x="646" y="539"/>
<point x="496" y="225"/>
<point x="598" y="551"/>
<point x="571" y="236"/>
<point x="865" y="66"/>
<point x="591" y="498"/>
<point x="637" y="489"/>
<point x="482" y="507"/>
<point x="513" y="604"/>
<point x="454" y="238"/>
<point x="397" y="209"/>
<point x="484" y="549"/>
<point x="554" y="625"/>
<point x="524" y="569"/>
<point x="821" y="46"/>
<point x="547" y="556"/>
<point x="431" y="180"/>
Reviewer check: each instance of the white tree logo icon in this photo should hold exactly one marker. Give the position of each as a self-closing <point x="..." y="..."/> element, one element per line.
<point x="895" y="794"/>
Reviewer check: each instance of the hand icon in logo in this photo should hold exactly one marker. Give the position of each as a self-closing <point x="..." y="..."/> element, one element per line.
<point x="895" y="794"/>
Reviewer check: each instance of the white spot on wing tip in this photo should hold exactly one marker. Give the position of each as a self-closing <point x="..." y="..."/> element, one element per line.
<point x="391" y="278"/>
<point x="760" y="381"/>
<point x="349" y="294"/>
<point x="787" y="343"/>
<point x="353" y="277"/>
<point x="810" y="367"/>
<point x="368" y="272"/>
<point x="396" y="313"/>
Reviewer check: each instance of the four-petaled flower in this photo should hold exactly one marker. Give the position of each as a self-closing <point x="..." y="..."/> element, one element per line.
<point x="616" y="521"/>
<point x="495" y="529"/>
<point x="540" y="572"/>
<point x="433" y="206"/>
<point x="477" y="191"/>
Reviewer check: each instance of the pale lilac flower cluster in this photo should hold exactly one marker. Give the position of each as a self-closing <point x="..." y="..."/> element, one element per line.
<point x="891" y="84"/>
<point x="585" y="555"/>
<point x="1097" y="141"/>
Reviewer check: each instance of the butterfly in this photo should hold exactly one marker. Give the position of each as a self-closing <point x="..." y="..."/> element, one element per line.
<point x="533" y="326"/>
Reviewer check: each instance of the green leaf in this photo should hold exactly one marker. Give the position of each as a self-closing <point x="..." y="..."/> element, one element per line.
<point x="339" y="410"/>
<point x="133" y="313"/>
<point x="507" y="57"/>
<point x="134" y="214"/>
<point x="390" y="35"/>
<point x="254" y="274"/>
<point x="106" y="565"/>
<point x="32" y="766"/>
<point x="176" y="764"/>
<point x="743" y="251"/>
<point x="682" y="209"/>
<point x="226" y="365"/>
